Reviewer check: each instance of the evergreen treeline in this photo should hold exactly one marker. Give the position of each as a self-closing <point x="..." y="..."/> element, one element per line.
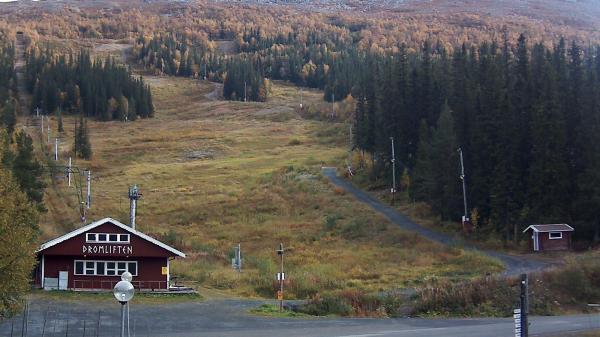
<point x="75" y="84"/>
<point x="244" y="82"/>
<point x="527" y="120"/>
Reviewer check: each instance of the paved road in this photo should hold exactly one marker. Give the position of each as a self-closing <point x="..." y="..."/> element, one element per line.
<point x="228" y="318"/>
<point x="515" y="265"/>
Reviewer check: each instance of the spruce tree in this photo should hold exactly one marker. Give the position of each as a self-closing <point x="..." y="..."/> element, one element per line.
<point x="445" y="196"/>
<point x="8" y="118"/>
<point x="422" y="182"/>
<point x="60" y="120"/>
<point x="27" y="170"/>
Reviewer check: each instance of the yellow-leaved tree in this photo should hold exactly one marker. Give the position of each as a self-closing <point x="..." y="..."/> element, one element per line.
<point x="18" y="240"/>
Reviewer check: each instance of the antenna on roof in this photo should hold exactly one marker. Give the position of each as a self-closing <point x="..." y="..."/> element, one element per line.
<point x="134" y="196"/>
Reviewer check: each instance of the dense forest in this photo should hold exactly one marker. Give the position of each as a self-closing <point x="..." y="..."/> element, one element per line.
<point x="173" y="54"/>
<point x="527" y="120"/>
<point x="74" y="84"/>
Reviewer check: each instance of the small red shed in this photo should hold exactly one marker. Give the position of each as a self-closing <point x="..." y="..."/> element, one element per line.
<point x="550" y="237"/>
<point x="93" y="257"/>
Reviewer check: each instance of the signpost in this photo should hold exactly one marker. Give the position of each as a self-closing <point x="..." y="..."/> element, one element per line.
<point x="236" y="262"/>
<point x="280" y="278"/>
<point x="520" y="314"/>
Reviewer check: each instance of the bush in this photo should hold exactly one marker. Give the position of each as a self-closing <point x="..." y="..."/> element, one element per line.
<point x="490" y="297"/>
<point x="348" y="302"/>
<point x="330" y="222"/>
<point x="554" y="291"/>
<point x="329" y="305"/>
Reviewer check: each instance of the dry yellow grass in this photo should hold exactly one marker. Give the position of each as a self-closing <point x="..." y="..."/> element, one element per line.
<point x="259" y="184"/>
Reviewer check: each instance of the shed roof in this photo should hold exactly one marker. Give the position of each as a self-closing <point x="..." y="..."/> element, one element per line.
<point x="563" y="227"/>
<point x="114" y="222"/>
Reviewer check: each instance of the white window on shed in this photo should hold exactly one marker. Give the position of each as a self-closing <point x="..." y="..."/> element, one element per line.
<point x="555" y="235"/>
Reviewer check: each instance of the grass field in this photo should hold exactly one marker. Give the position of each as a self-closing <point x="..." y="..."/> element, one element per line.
<point x="214" y="174"/>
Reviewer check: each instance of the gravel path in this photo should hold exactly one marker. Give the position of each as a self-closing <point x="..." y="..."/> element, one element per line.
<point x="515" y="265"/>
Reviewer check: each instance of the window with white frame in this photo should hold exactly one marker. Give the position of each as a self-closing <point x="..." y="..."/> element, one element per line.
<point x="555" y="235"/>
<point x="105" y="268"/>
<point x="106" y="238"/>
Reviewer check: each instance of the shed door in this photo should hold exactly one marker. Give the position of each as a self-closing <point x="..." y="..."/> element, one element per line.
<point x="536" y="241"/>
<point x="63" y="280"/>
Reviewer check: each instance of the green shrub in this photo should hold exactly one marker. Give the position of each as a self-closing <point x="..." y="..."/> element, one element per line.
<point x="330" y="222"/>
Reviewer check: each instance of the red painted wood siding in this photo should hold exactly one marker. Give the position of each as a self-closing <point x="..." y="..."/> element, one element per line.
<point x="149" y="272"/>
<point x="547" y="244"/>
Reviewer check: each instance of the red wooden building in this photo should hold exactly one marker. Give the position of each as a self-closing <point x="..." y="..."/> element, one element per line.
<point x="94" y="257"/>
<point x="549" y="237"/>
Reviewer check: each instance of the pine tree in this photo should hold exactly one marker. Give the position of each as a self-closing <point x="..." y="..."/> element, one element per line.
<point x="8" y="118"/>
<point x="445" y="196"/>
<point x="423" y="185"/>
<point x="85" y="145"/>
<point x="60" y="120"/>
<point x="131" y="111"/>
<point x="27" y="170"/>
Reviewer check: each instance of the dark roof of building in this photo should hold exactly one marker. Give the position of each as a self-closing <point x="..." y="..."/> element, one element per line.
<point x="114" y="222"/>
<point x="563" y="227"/>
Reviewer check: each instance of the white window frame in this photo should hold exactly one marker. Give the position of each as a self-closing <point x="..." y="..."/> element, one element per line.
<point x="118" y="241"/>
<point x="86" y="268"/>
<point x="106" y="269"/>
<point x="95" y="269"/>
<point x="560" y="235"/>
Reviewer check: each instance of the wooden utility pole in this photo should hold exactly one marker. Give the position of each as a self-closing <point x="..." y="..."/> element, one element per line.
<point x="464" y="187"/>
<point x="393" y="171"/>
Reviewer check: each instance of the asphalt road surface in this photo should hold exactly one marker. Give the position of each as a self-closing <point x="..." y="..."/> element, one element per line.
<point x="229" y="318"/>
<point x="515" y="265"/>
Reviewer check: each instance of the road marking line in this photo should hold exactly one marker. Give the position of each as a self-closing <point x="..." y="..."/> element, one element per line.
<point x="387" y="332"/>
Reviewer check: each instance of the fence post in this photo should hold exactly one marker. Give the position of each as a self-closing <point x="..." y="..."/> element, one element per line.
<point x="44" y="325"/>
<point x="98" y="324"/>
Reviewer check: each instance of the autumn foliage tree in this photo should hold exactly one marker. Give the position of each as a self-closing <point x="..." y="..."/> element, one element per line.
<point x="18" y="241"/>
